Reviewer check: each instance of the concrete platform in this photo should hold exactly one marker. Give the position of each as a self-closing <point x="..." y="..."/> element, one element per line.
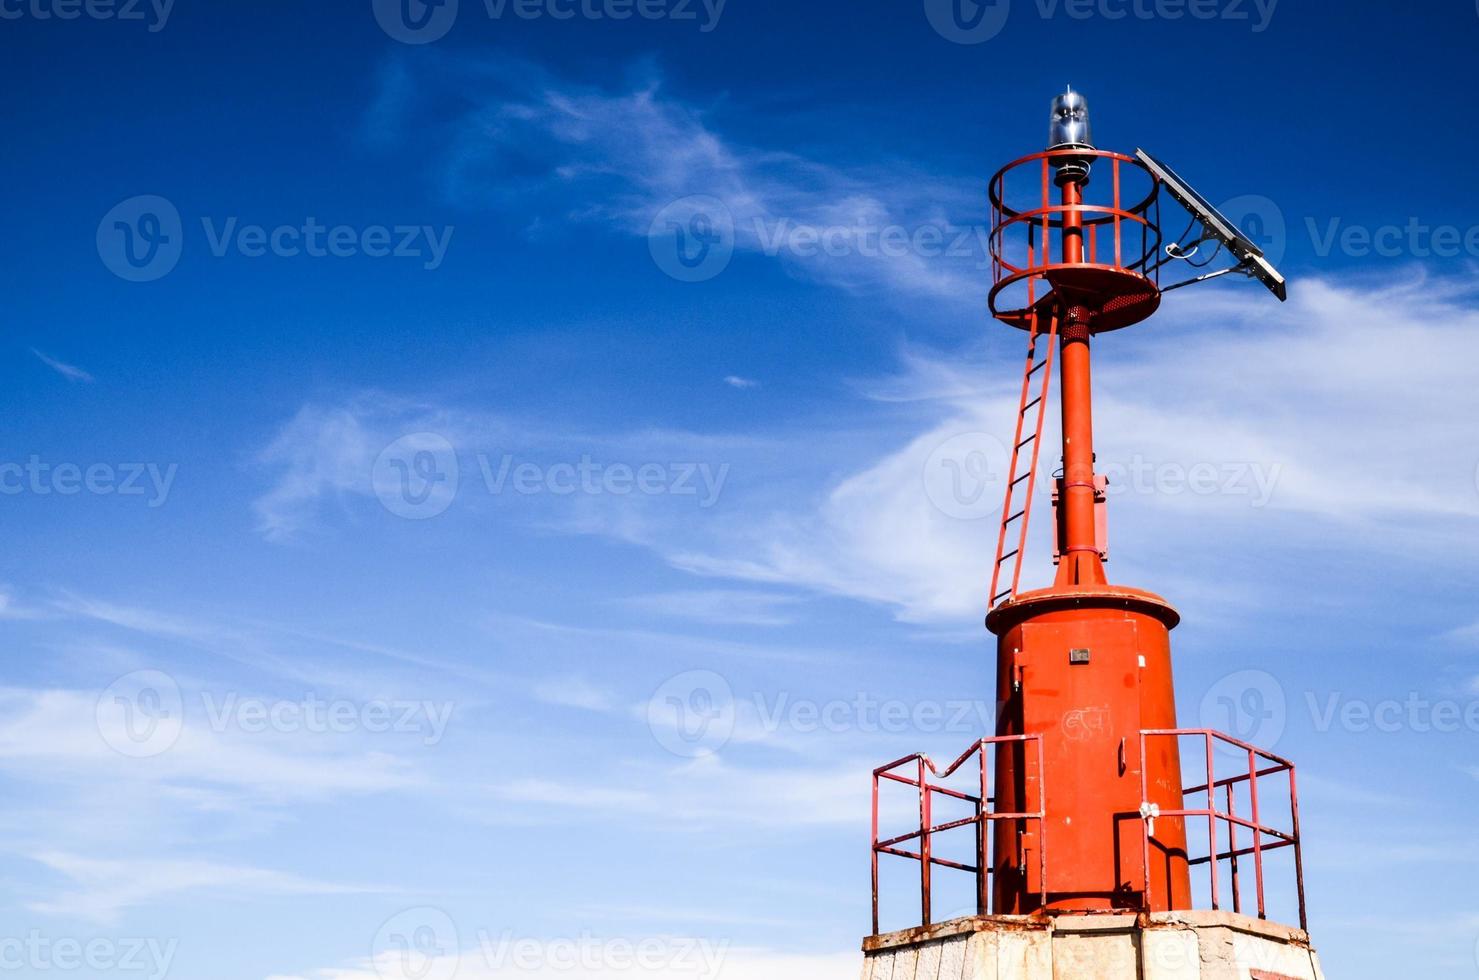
<point x="1160" y="946"/>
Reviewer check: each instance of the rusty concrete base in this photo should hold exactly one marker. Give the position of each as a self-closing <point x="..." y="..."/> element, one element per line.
<point x="1161" y="946"/>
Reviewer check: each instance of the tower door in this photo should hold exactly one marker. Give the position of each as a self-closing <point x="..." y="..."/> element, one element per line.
<point x="1081" y="690"/>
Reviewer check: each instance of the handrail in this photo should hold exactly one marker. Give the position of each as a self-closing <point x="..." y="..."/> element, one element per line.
<point x="923" y="768"/>
<point x="921" y="773"/>
<point x="1041" y="212"/>
<point x="1253" y="822"/>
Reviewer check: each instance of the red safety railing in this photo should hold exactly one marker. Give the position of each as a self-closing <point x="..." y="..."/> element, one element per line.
<point x="1246" y="835"/>
<point x="1119" y="224"/>
<point x="1262" y="765"/>
<point x="921" y="768"/>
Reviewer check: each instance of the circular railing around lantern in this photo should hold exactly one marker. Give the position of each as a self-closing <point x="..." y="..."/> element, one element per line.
<point x="1118" y="278"/>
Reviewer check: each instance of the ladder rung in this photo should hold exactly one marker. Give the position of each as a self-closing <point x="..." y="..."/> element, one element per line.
<point x="1007" y="555"/>
<point x="1037" y="367"/>
<point x="1026" y="441"/>
<point x="1014" y="517"/>
<point x="1021" y="478"/>
<point x="1030" y="404"/>
<point x="998" y="596"/>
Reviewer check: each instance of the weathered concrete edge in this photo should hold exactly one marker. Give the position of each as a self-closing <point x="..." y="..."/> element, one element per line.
<point x="1206" y="918"/>
<point x="956" y="927"/>
<point x="1108" y="922"/>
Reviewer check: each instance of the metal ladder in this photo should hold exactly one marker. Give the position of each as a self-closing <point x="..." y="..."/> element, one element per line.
<point x="1014" y="509"/>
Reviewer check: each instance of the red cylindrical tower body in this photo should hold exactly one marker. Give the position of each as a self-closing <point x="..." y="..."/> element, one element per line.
<point x="1087" y="668"/>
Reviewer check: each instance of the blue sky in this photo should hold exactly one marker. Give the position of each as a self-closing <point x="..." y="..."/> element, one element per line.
<point x="368" y="531"/>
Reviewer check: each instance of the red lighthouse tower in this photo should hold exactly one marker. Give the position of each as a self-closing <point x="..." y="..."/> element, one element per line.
<point x="1085" y="664"/>
<point x="1089" y="803"/>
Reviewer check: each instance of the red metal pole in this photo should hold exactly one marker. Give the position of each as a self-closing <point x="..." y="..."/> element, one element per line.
<point x="1304" y="922"/>
<point x="1257" y="830"/>
<point x="1042" y="838"/>
<point x="983" y="808"/>
<point x="1081" y="564"/>
<point x="924" y="844"/>
<point x="1232" y="846"/>
<point x="1145" y="826"/>
<point x="875" y="854"/>
<point x="1211" y="820"/>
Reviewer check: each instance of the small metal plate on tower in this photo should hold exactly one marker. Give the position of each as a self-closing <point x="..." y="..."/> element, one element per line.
<point x="1217" y="226"/>
<point x="1078" y="655"/>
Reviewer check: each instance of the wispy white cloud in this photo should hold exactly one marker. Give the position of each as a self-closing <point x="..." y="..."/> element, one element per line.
<point x="1463" y="636"/>
<point x="574" y="692"/>
<point x="725" y="606"/>
<point x="709" y="793"/>
<point x="309" y="656"/>
<point x="1317" y="411"/>
<point x="66" y="736"/>
<point x="668" y="915"/>
<point x="687" y="958"/>
<point x="548" y="792"/>
<point x="1310" y="422"/>
<point x="69" y="371"/>
<point x="1300" y="420"/>
<point x="530" y="140"/>
<point x="70" y="755"/>
<point x="580" y="643"/>
<point x="10" y="608"/>
<point x="101" y="889"/>
<point x="209" y="769"/>
<point x="137" y="618"/>
<point x="735" y="381"/>
<point x="326" y="453"/>
<point x="336" y="462"/>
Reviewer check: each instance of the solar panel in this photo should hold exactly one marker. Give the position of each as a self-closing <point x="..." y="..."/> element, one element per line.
<point x="1250" y="257"/>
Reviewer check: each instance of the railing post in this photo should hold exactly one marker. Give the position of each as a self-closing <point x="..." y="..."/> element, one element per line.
<point x="874" y="854"/>
<point x="1118" y="255"/>
<point x="1155" y="269"/>
<point x="1145" y="821"/>
<point x="1298" y="849"/>
<point x="1257" y="830"/>
<point x="1042" y="830"/>
<point x="1232" y="848"/>
<point x="924" y="845"/>
<point x="1212" y="822"/>
<point x="983" y="808"/>
<point x="1047" y="218"/>
<point x="995" y="225"/>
